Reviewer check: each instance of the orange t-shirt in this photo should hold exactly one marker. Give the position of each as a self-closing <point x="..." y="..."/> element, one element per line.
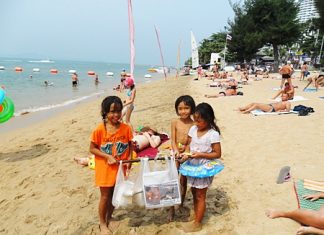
<point x="111" y="143"/>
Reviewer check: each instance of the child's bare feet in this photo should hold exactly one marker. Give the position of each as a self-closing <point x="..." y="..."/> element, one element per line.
<point x="104" y="230"/>
<point x="171" y="214"/>
<point x="113" y="225"/>
<point x="191" y="227"/>
<point x="272" y="213"/>
<point x="84" y="161"/>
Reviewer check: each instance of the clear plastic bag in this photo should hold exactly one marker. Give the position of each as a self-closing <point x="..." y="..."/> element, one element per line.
<point x="161" y="187"/>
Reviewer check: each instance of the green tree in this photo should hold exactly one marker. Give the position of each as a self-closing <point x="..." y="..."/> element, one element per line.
<point x="320" y="8"/>
<point x="261" y="22"/>
<point x="276" y="21"/>
<point x="214" y="44"/>
<point x="243" y="45"/>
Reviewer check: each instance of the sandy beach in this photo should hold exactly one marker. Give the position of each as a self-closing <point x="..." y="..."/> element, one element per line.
<point x="43" y="191"/>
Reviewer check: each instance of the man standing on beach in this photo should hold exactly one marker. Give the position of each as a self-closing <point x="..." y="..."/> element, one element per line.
<point x="286" y="72"/>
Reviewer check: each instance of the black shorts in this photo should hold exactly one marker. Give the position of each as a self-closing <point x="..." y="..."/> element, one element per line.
<point x="74" y="83"/>
<point x="285" y="76"/>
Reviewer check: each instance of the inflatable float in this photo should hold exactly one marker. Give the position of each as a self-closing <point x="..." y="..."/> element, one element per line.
<point x="7" y="107"/>
<point x="53" y="71"/>
<point x="208" y="169"/>
<point x="91" y="73"/>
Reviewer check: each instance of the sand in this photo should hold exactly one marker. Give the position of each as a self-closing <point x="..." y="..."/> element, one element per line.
<point x="43" y="191"/>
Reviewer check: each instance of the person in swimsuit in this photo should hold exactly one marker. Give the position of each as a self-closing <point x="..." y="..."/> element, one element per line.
<point x="231" y="89"/>
<point x="317" y="79"/>
<point x="282" y="106"/>
<point x="286" y="71"/>
<point x="129" y="102"/>
<point x="290" y="90"/>
<point x="75" y="79"/>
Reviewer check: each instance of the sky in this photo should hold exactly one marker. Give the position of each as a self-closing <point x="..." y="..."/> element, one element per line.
<point x="97" y="30"/>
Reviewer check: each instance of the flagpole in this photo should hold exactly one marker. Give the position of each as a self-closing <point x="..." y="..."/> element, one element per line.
<point x="225" y="52"/>
<point x="321" y="50"/>
<point x="178" y="59"/>
<point x="158" y="39"/>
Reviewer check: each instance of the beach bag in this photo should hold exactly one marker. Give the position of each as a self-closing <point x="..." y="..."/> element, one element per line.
<point x="138" y="195"/>
<point x="303" y="110"/>
<point x="123" y="192"/>
<point x="161" y="187"/>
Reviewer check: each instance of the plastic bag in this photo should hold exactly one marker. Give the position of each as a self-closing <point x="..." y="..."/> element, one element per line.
<point x="138" y="195"/>
<point x="123" y="191"/>
<point x="161" y="188"/>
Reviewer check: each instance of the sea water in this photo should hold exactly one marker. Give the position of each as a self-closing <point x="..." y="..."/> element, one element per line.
<point x="29" y="93"/>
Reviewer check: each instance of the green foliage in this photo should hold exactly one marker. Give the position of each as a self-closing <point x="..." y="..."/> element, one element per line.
<point x="320" y="8"/>
<point x="310" y="40"/>
<point x="260" y="22"/>
<point x="214" y="44"/>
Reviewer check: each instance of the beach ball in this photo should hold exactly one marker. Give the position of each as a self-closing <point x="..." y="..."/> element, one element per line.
<point x="7" y="109"/>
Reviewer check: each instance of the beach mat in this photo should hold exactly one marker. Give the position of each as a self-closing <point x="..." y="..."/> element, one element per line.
<point x="259" y="112"/>
<point x="300" y="191"/>
<point x="314" y="185"/>
<point x="152" y="152"/>
<point x="295" y="99"/>
<point x="310" y="90"/>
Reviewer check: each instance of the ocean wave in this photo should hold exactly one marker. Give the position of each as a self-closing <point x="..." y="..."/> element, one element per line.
<point x="53" y="106"/>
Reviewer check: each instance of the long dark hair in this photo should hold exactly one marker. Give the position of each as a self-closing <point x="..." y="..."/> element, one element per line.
<point x="106" y="104"/>
<point x="187" y="100"/>
<point x="206" y="112"/>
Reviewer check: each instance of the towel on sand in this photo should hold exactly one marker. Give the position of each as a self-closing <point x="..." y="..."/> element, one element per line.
<point x="259" y="112"/>
<point x="300" y="191"/>
<point x="296" y="98"/>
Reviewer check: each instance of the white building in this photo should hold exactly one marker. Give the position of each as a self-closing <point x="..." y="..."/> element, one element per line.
<point x="307" y="10"/>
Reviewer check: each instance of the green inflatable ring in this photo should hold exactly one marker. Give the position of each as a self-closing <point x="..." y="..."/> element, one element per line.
<point x="8" y="109"/>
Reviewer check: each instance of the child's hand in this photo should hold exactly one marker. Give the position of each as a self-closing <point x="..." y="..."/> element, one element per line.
<point x="184" y="157"/>
<point x="312" y="197"/>
<point x="111" y="160"/>
<point x="196" y="155"/>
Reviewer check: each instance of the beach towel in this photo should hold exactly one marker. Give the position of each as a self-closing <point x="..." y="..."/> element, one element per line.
<point x="276" y="88"/>
<point x="300" y="191"/>
<point x="310" y="90"/>
<point x="259" y="112"/>
<point x="152" y="152"/>
<point x="296" y="98"/>
<point x="314" y="185"/>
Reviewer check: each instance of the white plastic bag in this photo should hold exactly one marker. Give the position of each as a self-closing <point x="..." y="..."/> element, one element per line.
<point x="161" y="187"/>
<point x="138" y="195"/>
<point x="123" y="191"/>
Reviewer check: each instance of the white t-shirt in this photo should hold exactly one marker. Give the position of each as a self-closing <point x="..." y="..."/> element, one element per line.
<point x="203" y="144"/>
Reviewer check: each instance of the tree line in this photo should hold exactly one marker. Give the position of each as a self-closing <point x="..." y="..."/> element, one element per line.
<point x="263" y="24"/>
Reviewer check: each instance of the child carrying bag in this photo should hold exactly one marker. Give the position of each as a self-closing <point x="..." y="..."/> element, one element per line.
<point x="161" y="187"/>
<point x="123" y="191"/>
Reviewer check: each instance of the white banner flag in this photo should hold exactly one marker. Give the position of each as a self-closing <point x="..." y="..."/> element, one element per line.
<point x="228" y="37"/>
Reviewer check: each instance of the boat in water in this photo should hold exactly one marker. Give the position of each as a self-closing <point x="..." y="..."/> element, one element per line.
<point x="41" y="61"/>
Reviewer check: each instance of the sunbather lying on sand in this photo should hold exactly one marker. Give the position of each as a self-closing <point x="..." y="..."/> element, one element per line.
<point x="313" y="219"/>
<point x="231" y="89"/>
<point x="145" y="138"/>
<point x="283" y="106"/>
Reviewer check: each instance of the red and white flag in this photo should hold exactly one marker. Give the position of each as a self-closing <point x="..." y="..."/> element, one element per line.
<point x="228" y="37"/>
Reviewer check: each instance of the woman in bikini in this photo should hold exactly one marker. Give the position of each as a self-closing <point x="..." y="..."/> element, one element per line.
<point x="282" y="106"/>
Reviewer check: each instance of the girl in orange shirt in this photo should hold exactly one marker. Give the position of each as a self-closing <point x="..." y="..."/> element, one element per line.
<point x="110" y="142"/>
